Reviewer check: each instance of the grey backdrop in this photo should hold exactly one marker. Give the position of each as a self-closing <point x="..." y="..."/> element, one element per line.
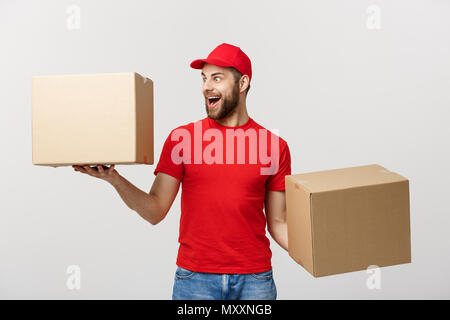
<point x="346" y="83"/>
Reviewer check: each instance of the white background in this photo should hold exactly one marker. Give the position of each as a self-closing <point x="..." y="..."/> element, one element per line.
<point x="340" y="93"/>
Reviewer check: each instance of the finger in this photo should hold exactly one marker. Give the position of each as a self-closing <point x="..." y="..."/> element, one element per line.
<point x="111" y="168"/>
<point x="100" y="169"/>
<point x="79" y="168"/>
<point x="90" y="171"/>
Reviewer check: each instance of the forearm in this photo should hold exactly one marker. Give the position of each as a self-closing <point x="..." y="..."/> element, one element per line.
<point x="278" y="231"/>
<point x="136" y="199"/>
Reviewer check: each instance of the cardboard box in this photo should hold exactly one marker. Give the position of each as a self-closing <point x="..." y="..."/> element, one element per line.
<point x="344" y="220"/>
<point x="92" y="119"/>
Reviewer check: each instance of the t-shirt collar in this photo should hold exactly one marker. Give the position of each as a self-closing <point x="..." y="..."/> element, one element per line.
<point x="213" y="123"/>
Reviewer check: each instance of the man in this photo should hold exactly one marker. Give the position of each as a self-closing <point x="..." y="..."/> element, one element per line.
<point x="224" y="252"/>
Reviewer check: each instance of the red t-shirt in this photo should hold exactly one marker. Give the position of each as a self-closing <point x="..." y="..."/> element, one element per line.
<point x="222" y="224"/>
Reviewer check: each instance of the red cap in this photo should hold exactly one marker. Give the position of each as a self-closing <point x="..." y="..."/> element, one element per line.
<point x="227" y="55"/>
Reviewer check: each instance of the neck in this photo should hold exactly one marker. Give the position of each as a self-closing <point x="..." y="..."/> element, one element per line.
<point x="238" y="117"/>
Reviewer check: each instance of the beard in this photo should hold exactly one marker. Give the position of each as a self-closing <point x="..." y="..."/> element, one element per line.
<point x="229" y="104"/>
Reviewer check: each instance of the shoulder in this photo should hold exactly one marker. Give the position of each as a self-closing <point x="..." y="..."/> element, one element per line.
<point x="185" y="127"/>
<point x="273" y="132"/>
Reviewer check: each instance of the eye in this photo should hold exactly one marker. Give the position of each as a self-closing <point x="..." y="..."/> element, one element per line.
<point x="216" y="78"/>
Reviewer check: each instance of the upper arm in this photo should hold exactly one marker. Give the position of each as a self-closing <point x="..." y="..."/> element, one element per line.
<point x="275" y="208"/>
<point x="164" y="190"/>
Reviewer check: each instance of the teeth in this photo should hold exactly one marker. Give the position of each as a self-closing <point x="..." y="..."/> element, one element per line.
<point x="212" y="97"/>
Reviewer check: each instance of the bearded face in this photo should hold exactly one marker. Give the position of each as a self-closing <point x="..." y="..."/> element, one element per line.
<point x="220" y="105"/>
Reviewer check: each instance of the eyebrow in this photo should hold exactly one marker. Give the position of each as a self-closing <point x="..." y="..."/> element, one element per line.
<point x="216" y="73"/>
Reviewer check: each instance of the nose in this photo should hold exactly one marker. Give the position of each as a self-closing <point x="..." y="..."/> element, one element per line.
<point x="207" y="86"/>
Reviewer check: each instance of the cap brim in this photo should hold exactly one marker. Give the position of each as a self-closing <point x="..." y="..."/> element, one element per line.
<point x="199" y="63"/>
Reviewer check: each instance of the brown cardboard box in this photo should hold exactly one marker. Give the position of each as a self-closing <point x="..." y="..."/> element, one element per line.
<point x="92" y="119"/>
<point x="347" y="219"/>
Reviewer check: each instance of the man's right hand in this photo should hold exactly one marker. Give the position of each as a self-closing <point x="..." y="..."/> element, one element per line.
<point x="101" y="171"/>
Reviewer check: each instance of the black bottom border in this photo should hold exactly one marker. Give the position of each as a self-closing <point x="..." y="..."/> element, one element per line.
<point x="222" y="309"/>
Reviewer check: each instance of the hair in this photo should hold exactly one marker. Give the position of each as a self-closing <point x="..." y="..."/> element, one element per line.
<point x="237" y="76"/>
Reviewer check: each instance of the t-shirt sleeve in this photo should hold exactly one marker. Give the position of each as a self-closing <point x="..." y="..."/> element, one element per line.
<point x="167" y="164"/>
<point x="275" y="182"/>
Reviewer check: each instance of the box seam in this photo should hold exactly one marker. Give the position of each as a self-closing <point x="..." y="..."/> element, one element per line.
<point x="362" y="186"/>
<point x="312" y="233"/>
<point x="135" y="117"/>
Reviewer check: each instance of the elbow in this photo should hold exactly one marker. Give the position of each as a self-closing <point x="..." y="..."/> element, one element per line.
<point x="278" y="233"/>
<point x="276" y="227"/>
<point x="275" y="236"/>
<point x="154" y="213"/>
<point x="273" y="232"/>
<point x="154" y="220"/>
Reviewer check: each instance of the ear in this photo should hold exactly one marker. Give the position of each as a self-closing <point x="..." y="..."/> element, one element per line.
<point x="243" y="83"/>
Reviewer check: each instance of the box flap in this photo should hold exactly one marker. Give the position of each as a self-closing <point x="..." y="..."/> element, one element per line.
<point x="345" y="178"/>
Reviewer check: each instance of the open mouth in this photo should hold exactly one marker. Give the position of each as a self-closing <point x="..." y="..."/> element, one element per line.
<point x="213" y="101"/>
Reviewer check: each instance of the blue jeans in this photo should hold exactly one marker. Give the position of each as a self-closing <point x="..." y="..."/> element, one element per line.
<point x="190" y="285"/>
